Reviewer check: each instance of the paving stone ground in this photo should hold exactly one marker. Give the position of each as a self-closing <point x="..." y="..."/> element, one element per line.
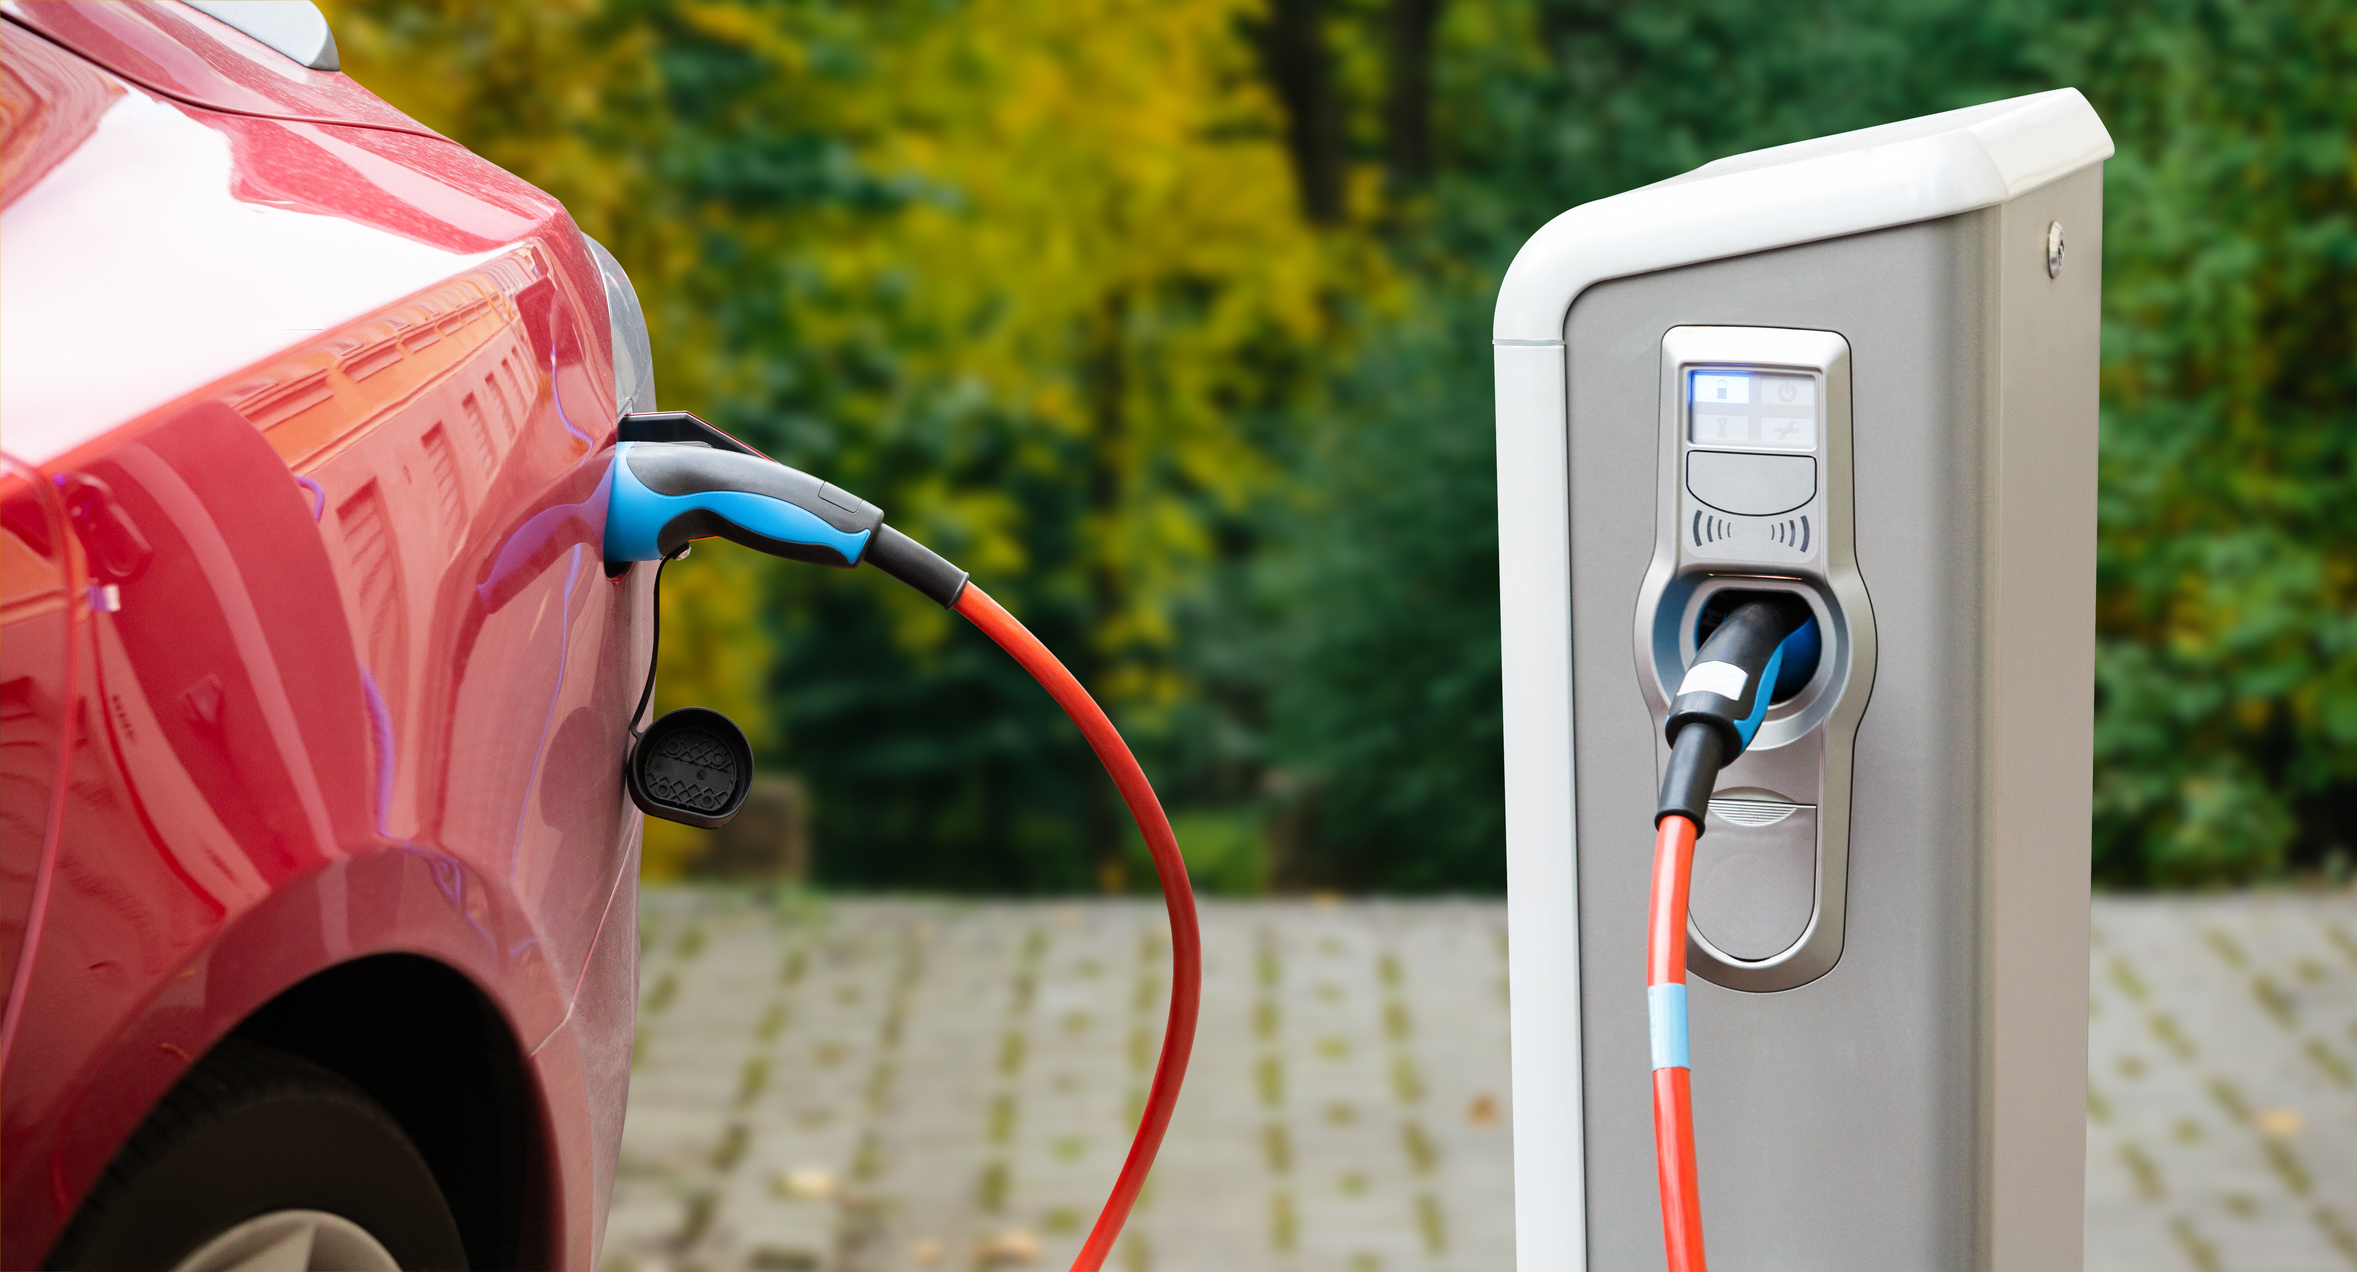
<point x="903" y="1085"/>
<point x="2222" y="1085"/>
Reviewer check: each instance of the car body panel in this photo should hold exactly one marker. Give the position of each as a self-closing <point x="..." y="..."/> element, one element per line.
<point x="225" y="239"/>
<point x="582" y="1061"/>
<point x="319" y="417"/>
<point x="39" y="579"/>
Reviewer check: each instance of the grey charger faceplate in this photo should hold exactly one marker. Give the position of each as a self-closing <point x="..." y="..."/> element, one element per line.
<point x="1743" y="508"/>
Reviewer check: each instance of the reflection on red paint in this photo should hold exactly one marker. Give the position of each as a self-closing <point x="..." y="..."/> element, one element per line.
<point x="52" y="101"/>
<point x="183" y="54"/>
<point x="37" y="692"/>
<point x="361" y="174"/>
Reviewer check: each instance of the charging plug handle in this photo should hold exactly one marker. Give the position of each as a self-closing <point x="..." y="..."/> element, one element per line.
<point x="1695" y="760"/>
<point x="668" y="493"/>
<point x="1724" y="697"/>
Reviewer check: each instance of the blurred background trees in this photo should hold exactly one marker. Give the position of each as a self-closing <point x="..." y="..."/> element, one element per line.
<point x="1169" y="320"/>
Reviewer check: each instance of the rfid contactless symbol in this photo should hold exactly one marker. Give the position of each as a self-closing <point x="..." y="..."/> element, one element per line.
<point x="676" y="479"/>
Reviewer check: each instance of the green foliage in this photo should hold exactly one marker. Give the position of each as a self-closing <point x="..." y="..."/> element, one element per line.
<point x="1170" y="322"/>
<point x="1381" y="609"/>
<point x="2227" y="730"/>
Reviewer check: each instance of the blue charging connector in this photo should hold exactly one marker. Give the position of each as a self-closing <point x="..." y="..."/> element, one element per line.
<point x="678" y="479"/>
<point x="668" y="493"/>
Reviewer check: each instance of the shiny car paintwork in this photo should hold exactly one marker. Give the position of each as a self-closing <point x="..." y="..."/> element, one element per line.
<point x="305" y="649"/>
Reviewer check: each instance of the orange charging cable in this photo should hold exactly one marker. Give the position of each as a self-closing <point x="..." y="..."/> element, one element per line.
<point x="1673" y="1090"/>
<point x="1186" y="943"/>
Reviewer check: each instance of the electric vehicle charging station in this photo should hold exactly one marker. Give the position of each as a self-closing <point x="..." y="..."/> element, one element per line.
<point x="1859" y="370"/>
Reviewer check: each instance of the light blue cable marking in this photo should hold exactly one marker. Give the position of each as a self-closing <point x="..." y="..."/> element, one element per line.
<point x="1665" y="1010"/>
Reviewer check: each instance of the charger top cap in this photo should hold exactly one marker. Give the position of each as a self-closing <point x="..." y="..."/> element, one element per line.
<point x="1894" y="174"/>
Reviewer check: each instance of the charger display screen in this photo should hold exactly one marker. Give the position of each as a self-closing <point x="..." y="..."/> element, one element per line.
<point x="1751" y="410"/>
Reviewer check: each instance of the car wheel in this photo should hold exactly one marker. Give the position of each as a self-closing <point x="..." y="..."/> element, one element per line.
<point x="292" y="1239"/>
<point x="263" y="1160"/>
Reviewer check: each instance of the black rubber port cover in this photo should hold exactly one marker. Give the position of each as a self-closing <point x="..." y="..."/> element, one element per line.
<point x="693" y="766"/>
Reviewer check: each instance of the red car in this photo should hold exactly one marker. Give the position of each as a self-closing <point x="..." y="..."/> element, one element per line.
<point x="318" y="880"/>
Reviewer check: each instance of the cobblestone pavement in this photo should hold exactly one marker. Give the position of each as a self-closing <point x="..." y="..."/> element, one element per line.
<point x="863" y="1086"/>
<point x="2222" y="1086"/>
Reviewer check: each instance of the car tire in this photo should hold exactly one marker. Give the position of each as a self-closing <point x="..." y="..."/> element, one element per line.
<point x="261" y="1154"/>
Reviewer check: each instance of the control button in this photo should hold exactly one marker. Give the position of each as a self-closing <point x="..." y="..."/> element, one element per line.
<point x="1795" y="394"/>
<point x="1751" y="485"/>
<point x="1725" y="389"/>
<point x="1789" y="432"/>
<point x="1713" y="429"/>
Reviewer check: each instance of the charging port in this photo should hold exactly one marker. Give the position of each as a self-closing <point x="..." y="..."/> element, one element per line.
<point x="1801" y="654"/>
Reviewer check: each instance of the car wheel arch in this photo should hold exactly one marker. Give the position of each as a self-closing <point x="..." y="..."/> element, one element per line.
<point x="432" y="1047"/>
